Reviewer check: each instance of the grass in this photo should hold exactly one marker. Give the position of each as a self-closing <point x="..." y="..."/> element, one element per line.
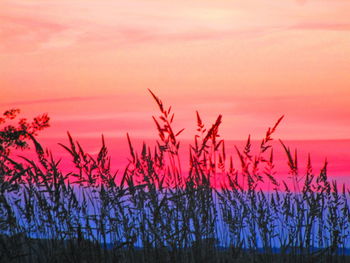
<point x="153" y="212"/>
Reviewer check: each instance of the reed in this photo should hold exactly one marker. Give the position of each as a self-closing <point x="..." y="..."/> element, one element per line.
<point x="154" y="212"/>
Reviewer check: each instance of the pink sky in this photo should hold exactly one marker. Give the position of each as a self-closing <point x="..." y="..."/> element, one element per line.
<point x="88" y="64"/>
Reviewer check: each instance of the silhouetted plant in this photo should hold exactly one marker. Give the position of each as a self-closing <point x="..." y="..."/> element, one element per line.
<point x="154" y="212"/>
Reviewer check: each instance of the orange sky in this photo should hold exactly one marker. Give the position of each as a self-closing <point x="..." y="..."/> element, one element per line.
<point x="88" y="63"/>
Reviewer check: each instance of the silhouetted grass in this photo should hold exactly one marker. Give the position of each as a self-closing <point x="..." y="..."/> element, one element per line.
<point x="153" y="212"/>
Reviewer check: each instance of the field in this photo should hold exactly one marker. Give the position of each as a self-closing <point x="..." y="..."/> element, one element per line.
<point x="153" y="212"/>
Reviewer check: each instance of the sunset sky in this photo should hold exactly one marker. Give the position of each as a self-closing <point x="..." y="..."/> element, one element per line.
<point x="89" y="63"/>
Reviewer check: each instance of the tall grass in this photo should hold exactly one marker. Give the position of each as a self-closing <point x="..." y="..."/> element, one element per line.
<point x="154" y="212"/>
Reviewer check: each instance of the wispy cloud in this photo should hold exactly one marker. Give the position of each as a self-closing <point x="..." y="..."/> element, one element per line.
<point x="27" y="33"/>
<point x="26" y="29"/>
<point x="106" y="117"/>
<point x="50" y="100"/>
<point x="322" y="26"/>
<point x="135" y="35"/>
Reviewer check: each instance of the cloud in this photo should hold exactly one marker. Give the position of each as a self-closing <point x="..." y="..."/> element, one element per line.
<point x="316" y="109"/>
<point x="26" y="33"/>
<point x="130" y="35"/>
<point x="322" y="26"/>
<point x="26" y="28"/>
<point x="136" y="115"/>
<point x="51" y="100"/>
<point x="40" y="25"/>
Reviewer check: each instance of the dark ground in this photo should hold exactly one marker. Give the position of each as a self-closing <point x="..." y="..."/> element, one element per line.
<point x="20" y="249"/>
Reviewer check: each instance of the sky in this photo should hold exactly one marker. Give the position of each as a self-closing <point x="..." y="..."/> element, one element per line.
<point x="89" y="63"/>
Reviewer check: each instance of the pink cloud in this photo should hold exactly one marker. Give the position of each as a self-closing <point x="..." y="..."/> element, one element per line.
<point x="302" y="112"/>
<point x="26" y="28"/>
<point x="317" y="109"/>
<point x="50" y="100"/>
<point x="126" y="35"/>
<point x="26" y="33"/>
<point x="322" y="26"/>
